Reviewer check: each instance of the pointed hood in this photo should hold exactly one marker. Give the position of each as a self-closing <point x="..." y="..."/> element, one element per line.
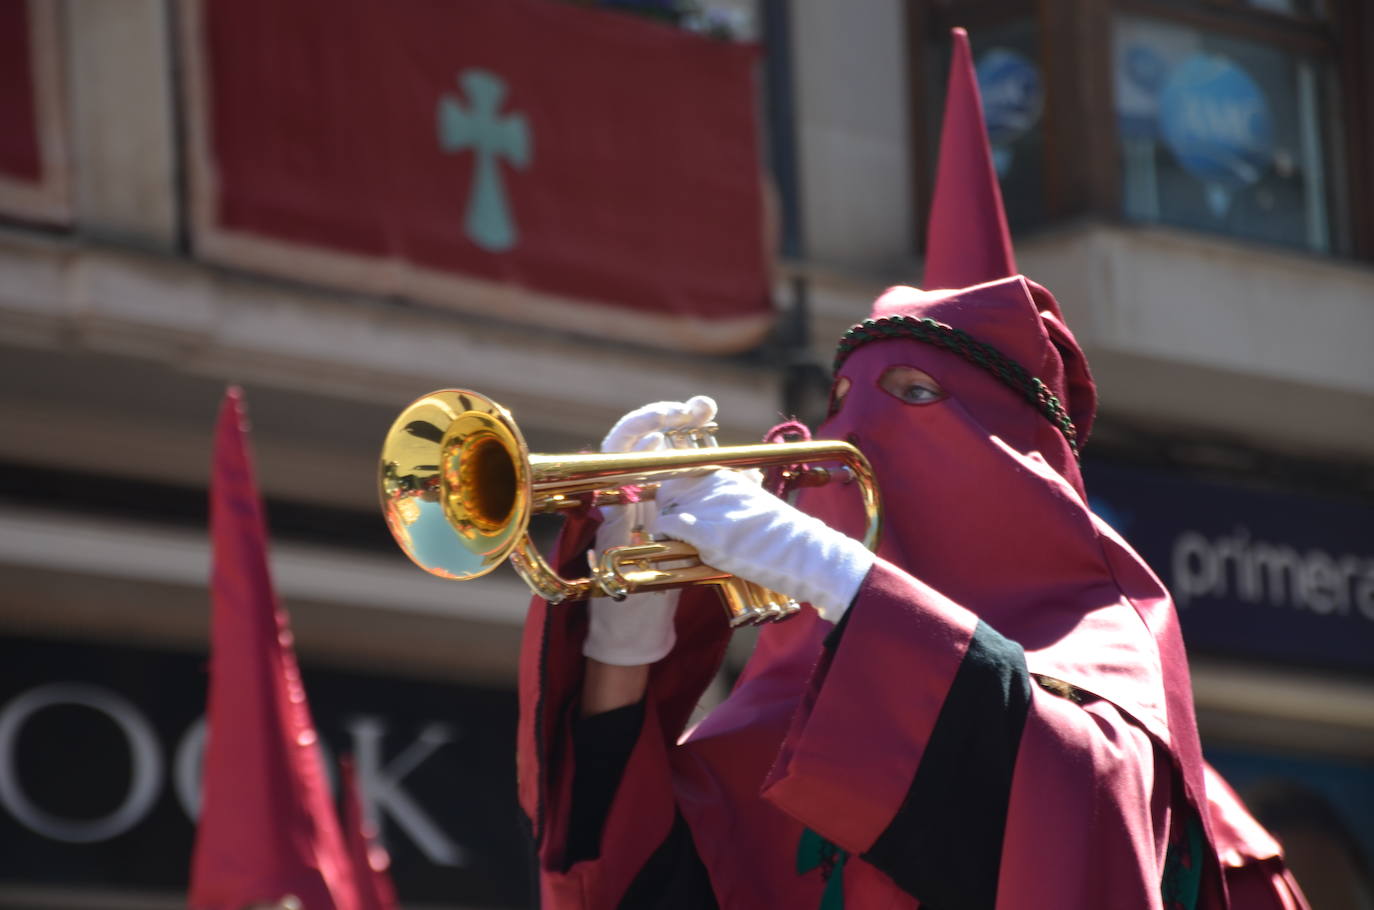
<point x="267" y="825"/>
<point x="967" y="240"/>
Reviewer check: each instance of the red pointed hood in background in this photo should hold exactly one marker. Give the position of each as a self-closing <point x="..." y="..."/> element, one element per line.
<point x="267" y="826"/>
<point x="369" y="858"/>
<point x="967" y="240"/>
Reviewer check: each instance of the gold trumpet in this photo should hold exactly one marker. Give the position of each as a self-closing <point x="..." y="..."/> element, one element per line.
<point x="458" y="486"/>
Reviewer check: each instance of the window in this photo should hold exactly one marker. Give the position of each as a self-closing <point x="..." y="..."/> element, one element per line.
<point x="1233" y="117"/>
<point x="1222" y="133"/>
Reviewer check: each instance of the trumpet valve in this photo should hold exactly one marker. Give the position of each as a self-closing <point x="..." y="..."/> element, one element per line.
<point x="748" y="604"/>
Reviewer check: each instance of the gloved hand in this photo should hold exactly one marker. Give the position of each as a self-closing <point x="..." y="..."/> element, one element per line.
<point x="742" y="529"/>
<point x="639" y="629"/>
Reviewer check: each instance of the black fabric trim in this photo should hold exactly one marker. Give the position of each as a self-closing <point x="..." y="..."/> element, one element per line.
<point x="674" y="878"/>
<point x="526" y="826"/>
<point x="944" y="845"/>
<point x="602" y="744"/>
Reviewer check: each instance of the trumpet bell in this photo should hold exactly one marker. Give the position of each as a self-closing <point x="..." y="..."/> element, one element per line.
<point x="454" y="483"/>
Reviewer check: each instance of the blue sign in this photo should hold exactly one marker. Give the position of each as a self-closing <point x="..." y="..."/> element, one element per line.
<point x="1013" y="95"/>
<point x="1216" y="121"/>
<point x="1255" y="573"/>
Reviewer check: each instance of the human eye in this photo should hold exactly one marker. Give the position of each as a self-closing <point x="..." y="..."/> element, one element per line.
<point x="919" y="394"/>
<point x="911" y="386"/>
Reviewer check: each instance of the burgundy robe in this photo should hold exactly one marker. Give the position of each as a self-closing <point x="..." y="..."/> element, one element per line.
<point x="832" y="737"/>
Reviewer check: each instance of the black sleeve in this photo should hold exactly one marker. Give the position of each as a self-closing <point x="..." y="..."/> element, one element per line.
<point x="602" y="744"/>
<point x="674" y="876"/>
<point x="944" y="845"/>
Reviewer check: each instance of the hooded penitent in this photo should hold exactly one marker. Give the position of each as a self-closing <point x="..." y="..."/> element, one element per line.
<point x="968" y="243"/>
<point x="1002" y="719"/>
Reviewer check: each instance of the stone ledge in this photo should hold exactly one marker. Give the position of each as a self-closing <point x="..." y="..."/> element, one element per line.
<point x="60" y="294"/>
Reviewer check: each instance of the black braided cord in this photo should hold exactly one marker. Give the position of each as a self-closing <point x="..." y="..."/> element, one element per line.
<point x="1006" y="370"/>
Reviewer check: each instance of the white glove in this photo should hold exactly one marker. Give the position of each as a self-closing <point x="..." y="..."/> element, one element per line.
<point x="742" y="529"/>
<point x="639" y="629"/>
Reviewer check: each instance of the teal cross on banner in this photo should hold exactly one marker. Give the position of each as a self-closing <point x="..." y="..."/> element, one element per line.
<point x="479" y="126"/>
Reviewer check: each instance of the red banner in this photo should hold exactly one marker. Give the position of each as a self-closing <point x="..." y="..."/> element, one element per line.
<point x="527" y="159"/>
<point x="32" y="158"/>
<point x="19" y="154"/>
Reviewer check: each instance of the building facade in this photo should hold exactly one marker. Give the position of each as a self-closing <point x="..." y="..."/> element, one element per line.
<point x="1190" y="177"/>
